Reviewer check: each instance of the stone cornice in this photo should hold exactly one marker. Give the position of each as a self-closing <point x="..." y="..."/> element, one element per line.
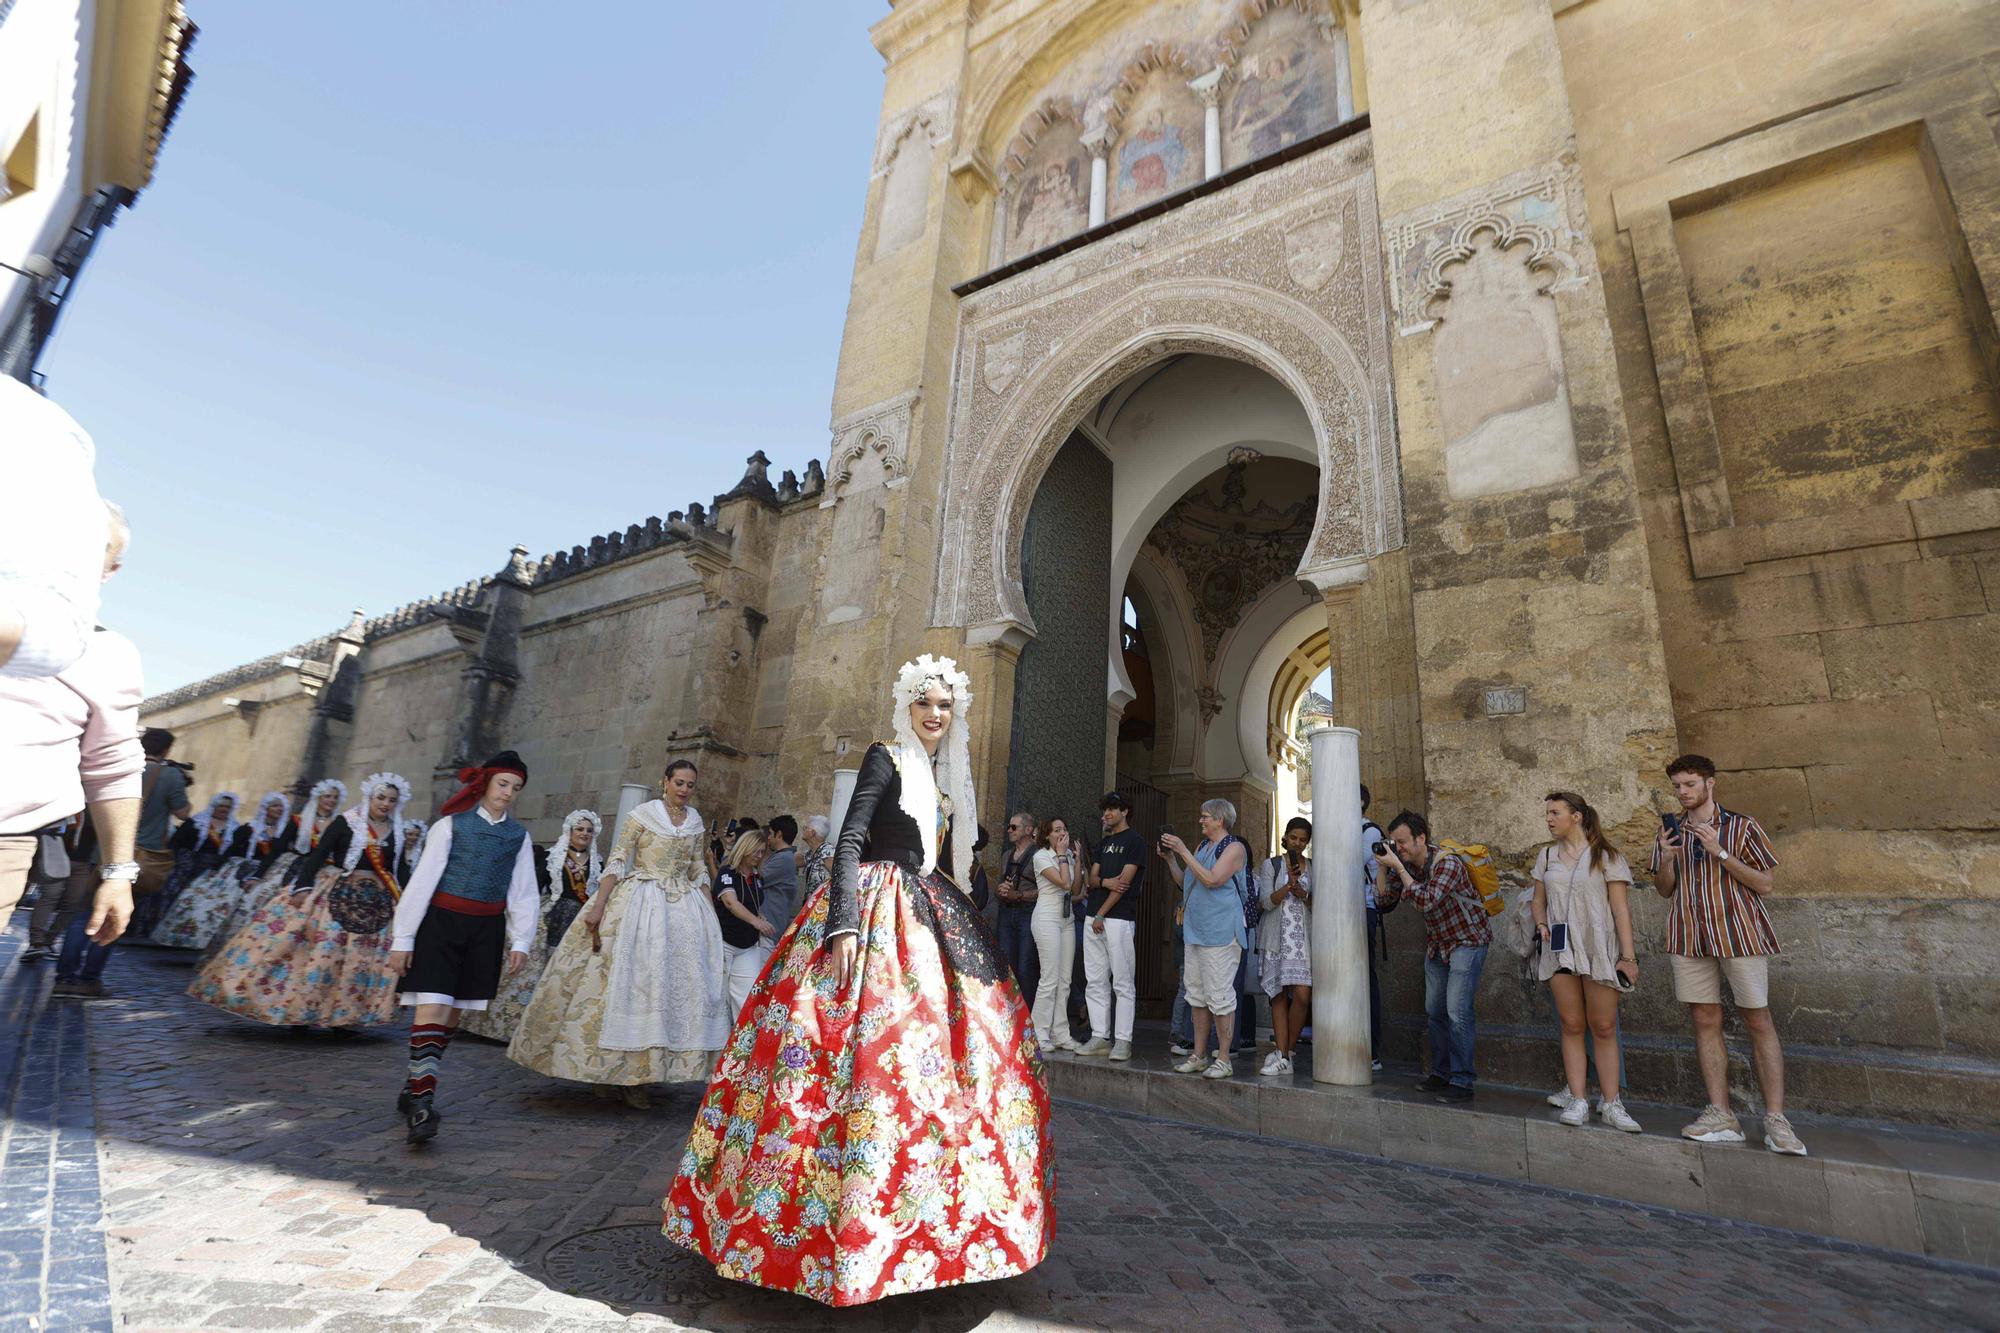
<point x="913" y="23"/>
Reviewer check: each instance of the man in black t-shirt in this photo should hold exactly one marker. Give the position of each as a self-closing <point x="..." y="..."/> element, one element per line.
<point x="1109" y="966"/>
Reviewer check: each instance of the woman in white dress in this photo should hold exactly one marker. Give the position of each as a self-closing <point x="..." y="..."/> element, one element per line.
<point x="636" y="993"/>
<point x="1059" y="886"/>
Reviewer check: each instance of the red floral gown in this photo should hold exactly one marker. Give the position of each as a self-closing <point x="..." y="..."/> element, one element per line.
<point x="851" y="1151"/>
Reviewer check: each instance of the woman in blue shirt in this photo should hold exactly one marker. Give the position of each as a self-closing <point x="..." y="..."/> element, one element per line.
<point x="1214" y="883"/>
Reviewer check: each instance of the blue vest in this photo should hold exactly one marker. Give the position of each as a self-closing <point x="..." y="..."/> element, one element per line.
<point x="481" y="863"/>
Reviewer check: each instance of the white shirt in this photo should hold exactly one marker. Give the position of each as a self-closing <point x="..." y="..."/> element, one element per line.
<point x="524" y="895"/>
<point x="52" y="542"/>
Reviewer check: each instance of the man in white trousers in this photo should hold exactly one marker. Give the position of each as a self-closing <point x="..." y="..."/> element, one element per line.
<point x="1109" y="965"/>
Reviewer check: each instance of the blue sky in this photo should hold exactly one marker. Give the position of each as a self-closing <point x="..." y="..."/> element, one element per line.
<point x="416" y="281"/>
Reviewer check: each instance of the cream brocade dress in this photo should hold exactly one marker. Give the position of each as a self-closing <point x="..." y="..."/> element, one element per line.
<point x="653" y="1006"/>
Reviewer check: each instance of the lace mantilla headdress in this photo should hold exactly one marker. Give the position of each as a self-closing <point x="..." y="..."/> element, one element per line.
<point x="414" y="834"/>
<point x="205" y="821"/>
<point x="267" y="828"/>
<point x="357" y="818"/>
<point x="559" y="849"/>
<point x="309" y="812"/>
<point x="952" y="777"/>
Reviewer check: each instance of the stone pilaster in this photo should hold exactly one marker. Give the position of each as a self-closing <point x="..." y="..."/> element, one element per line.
<point x="1527" y="558"/>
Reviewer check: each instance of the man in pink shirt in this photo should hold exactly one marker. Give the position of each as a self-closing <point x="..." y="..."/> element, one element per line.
<point x="69" y="740"/>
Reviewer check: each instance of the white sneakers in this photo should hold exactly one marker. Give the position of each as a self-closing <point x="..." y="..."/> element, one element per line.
<point x="1576" y="1111"/>
<point x="1220" y="1067"/>
<point x="1615" y="1115"/>
<point x="1192" y="1065"/>
<point x="1277" y="1062"/>
<point x="1095" y="1046"/>
<point x="1121" y="1050"/>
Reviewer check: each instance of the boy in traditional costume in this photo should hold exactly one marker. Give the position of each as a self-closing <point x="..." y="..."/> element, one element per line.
<point x="450" y="942"/>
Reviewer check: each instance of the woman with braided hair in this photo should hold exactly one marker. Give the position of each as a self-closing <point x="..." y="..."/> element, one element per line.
<point x="635" y="993"/>
<point x="879" y="1120"/>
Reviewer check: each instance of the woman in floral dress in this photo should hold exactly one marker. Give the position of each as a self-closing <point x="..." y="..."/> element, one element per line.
<point x="199" y="846"/>
<point x="301" y="834"/>
<point x="635" y="993"/>
<point x="207" y="902"/>
<point x="318" y="955"/>
<point x="879" y="1121"/>
<point x="563" y="875"/>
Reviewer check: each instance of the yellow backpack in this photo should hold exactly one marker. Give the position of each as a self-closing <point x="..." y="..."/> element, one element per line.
<point x="1479" y="865"/>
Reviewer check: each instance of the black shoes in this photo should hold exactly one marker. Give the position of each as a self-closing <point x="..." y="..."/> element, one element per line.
<point x="424" y="1120"/>
<point x="405" y="1103"/>
<point x="1432" y="1083"/>
<point x="1455" y="1092"/>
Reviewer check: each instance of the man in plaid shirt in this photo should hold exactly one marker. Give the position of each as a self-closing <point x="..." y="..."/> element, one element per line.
<point x="1456" y="937"/>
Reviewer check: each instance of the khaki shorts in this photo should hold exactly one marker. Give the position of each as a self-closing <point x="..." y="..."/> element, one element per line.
<point x="1209" y="973"/>
<point x="1699" y="980"/>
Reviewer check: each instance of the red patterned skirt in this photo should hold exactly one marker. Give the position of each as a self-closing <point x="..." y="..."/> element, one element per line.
<point x="893" y="1142"/>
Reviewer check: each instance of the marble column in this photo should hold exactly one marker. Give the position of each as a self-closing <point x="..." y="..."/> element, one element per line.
<point x="1098" y="144"/>
<point x="631" y="796"/>
<point x="1339" y="917"/>
<point x="843" y="793"/>
<point x="1343" y="78"/>
<point x="1209" y="89"/>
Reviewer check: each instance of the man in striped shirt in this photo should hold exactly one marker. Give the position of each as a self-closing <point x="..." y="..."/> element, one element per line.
<point x="1714" y="867"/>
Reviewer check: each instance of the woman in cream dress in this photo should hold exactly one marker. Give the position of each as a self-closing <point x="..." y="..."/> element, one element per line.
<point x="636" y="992"/>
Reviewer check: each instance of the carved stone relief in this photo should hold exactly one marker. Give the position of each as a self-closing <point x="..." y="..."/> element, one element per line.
<point x="1536" y="214"/>
<point x="879" y="434"/>
<point x="934" y="118"/>
<point x="1217" y="276"/>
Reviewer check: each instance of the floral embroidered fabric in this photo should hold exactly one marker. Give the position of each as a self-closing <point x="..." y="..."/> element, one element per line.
<point x="891" y="1140"/>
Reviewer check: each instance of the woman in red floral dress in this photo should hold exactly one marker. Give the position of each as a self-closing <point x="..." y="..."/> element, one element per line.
<point x="879" y="1122"/>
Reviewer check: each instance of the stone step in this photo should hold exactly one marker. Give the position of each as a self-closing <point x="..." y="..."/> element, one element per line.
<point x="1927" y="1191"/>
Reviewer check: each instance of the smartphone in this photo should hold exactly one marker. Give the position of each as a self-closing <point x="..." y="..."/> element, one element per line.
<point x="1558" y="936"/>
<point x="1670" y="821"/>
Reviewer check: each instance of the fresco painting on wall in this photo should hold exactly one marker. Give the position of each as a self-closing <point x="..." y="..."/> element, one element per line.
<point x="1160" y="149"/>
<point x="1283" y="90"/>
<point x="1052" y="201"/>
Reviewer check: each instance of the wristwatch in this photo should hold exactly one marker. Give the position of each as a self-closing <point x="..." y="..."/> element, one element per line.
<point x="1722" y="853"/>
<point x="125" y="870"/>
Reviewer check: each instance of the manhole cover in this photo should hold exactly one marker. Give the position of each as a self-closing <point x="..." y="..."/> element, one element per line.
<point x="631" y="1265"/>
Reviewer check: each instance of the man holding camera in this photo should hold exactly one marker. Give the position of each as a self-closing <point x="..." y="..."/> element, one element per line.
<point x="1017" y="892"/>
<point x="1456" y="937"/>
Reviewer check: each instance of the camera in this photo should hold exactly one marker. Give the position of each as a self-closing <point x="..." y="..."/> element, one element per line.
<point x="1379" y="848"/>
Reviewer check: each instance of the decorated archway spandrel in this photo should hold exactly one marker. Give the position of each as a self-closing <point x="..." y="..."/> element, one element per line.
<point x="1282" y="271"/>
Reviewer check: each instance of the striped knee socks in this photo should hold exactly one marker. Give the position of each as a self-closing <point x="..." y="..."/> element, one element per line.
<point x="427" y="1043"/>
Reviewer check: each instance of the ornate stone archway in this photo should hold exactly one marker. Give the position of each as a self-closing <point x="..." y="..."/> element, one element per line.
<point x="1282" y="271"/>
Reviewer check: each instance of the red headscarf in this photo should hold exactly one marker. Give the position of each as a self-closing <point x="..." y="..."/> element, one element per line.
<point x="476" y="780"/>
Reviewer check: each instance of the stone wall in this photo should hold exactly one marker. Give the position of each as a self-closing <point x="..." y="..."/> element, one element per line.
<point x="673" y="638"/>
<point x="1797" y="254"/>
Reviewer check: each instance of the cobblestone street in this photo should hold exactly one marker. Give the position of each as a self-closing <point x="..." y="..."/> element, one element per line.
<point x="256" y="1179"/>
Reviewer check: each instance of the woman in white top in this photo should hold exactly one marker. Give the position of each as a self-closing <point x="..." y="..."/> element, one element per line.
<point x="1584" y="921"/>
<point x="1059" y="883"/>
<point x="1284" y="934"/>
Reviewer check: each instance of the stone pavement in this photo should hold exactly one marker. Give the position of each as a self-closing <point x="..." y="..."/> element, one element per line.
<point x="254" y="1179"/>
